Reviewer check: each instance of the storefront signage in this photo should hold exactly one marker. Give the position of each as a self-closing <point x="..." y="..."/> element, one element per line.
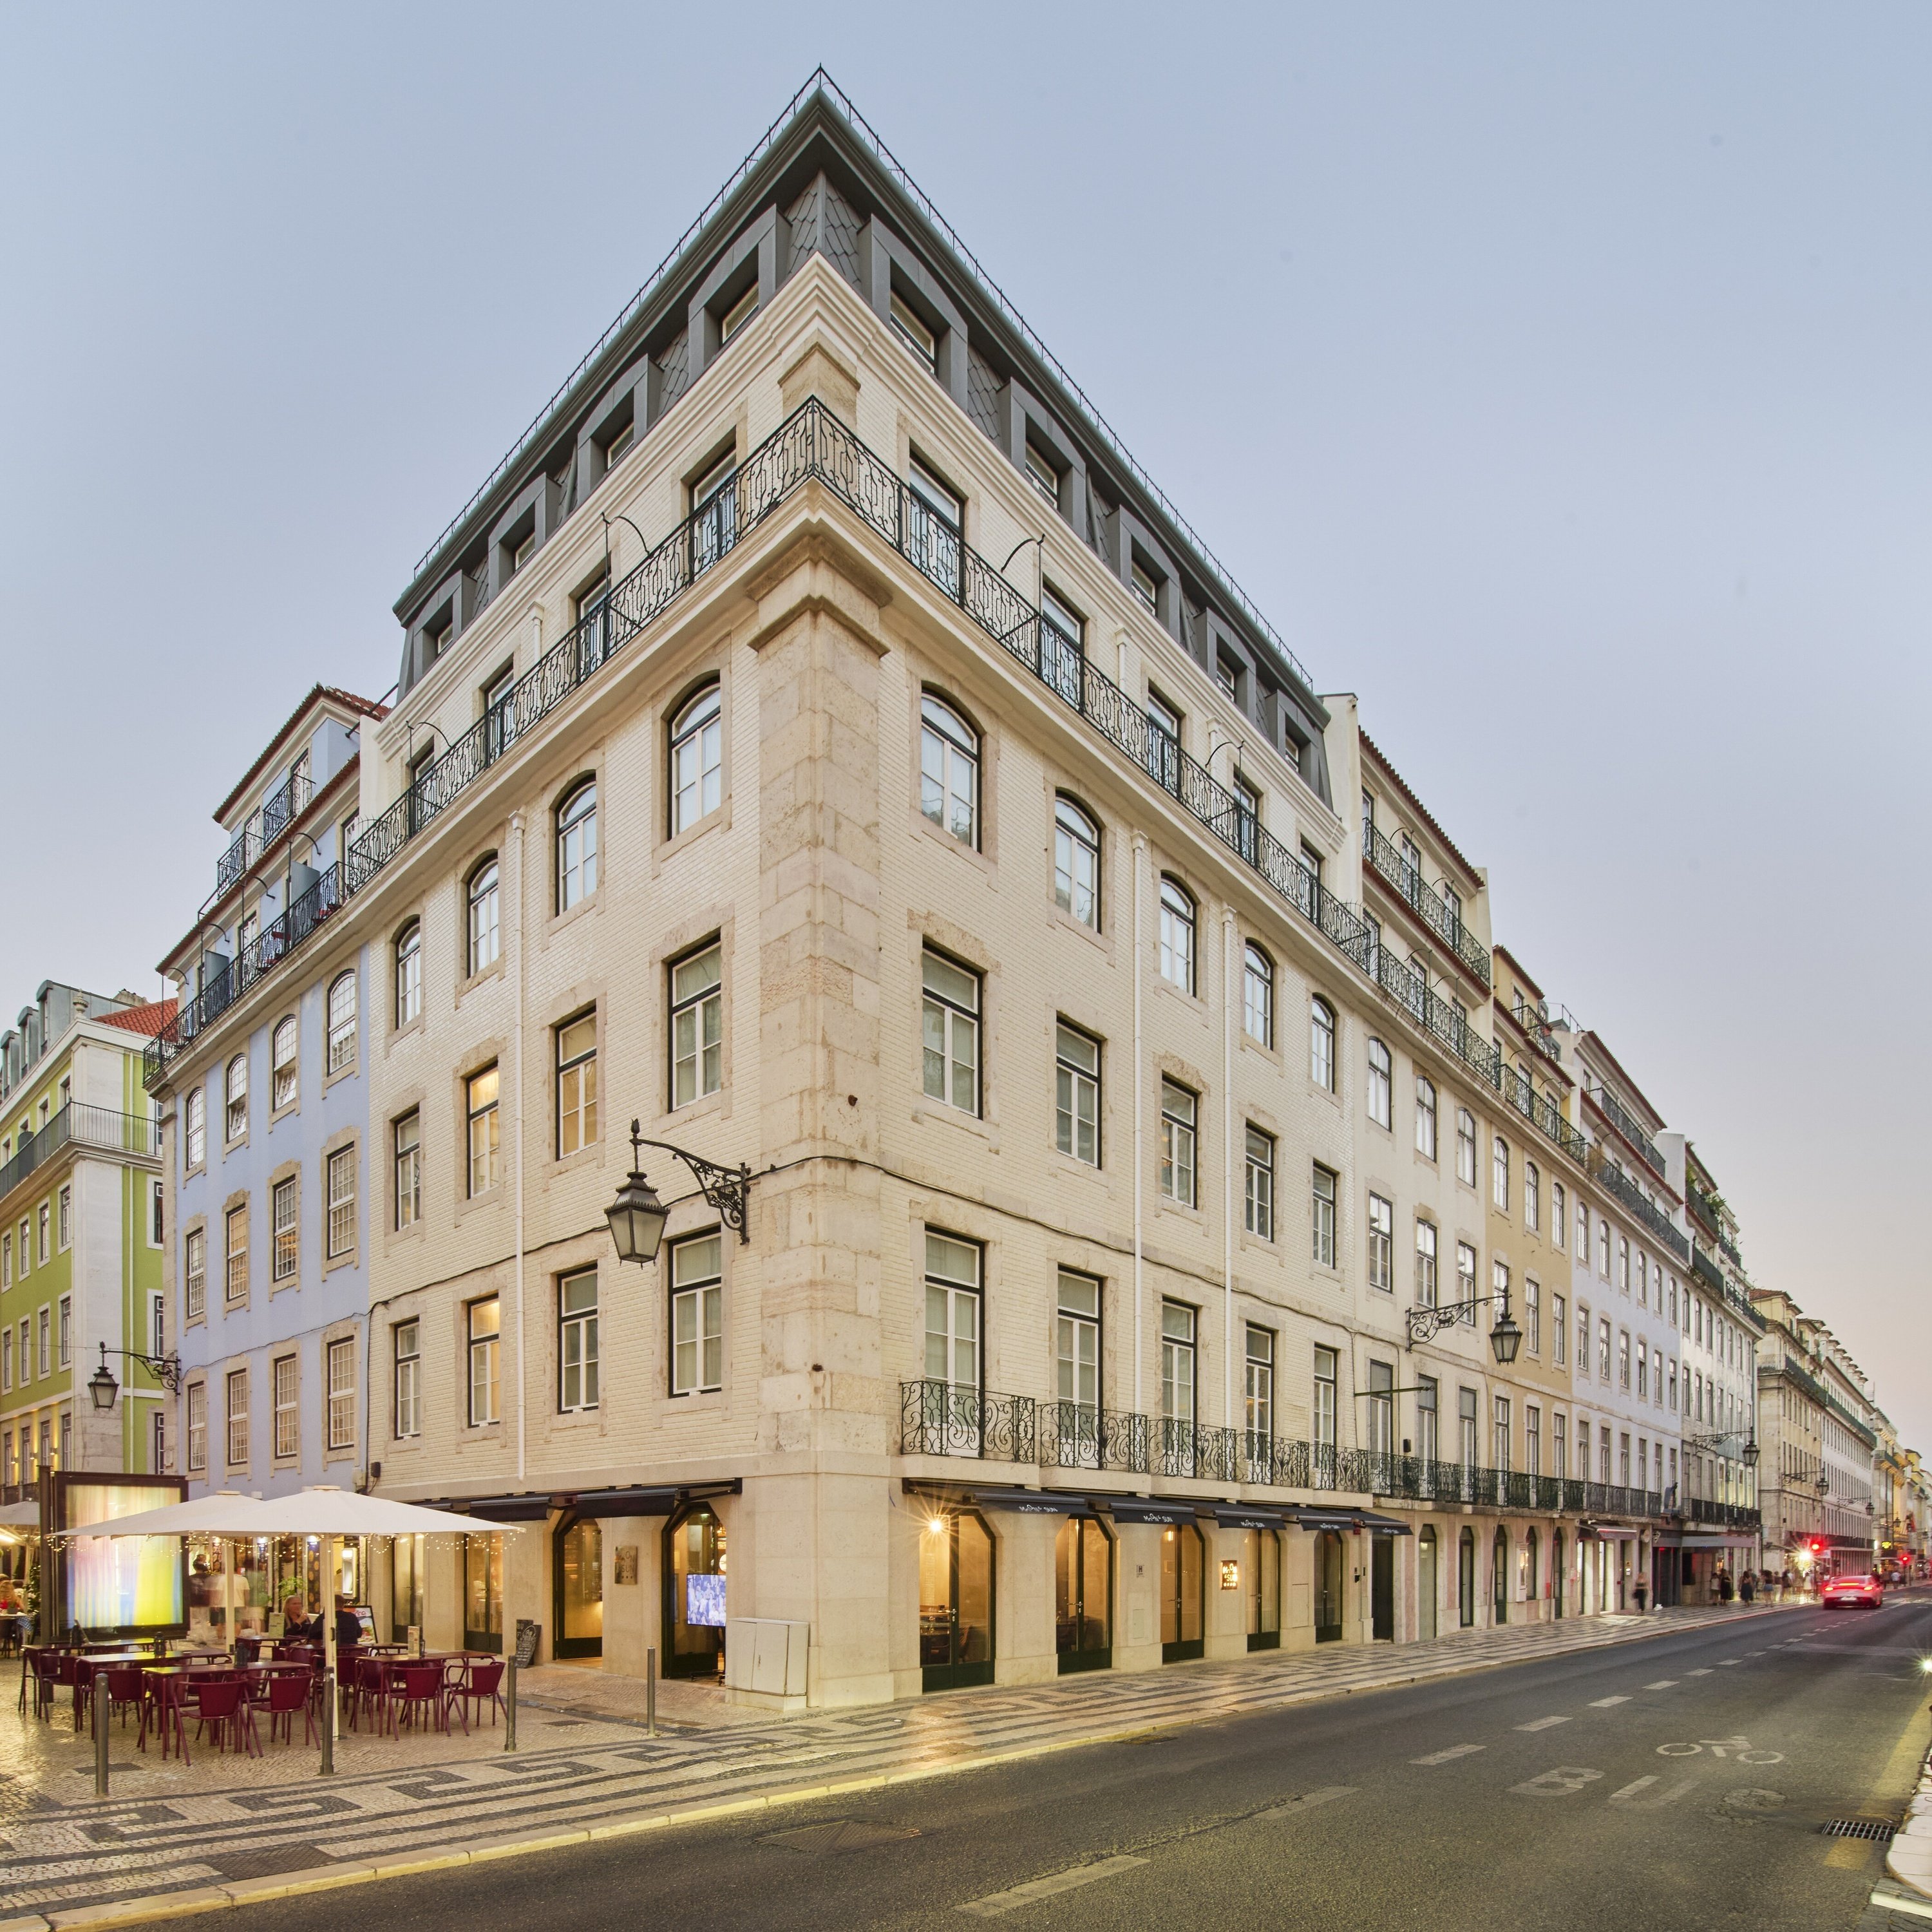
<point x="1231" y="1574"/>
<point x="627" y="1563"/>
<point x="704" y="1600"/>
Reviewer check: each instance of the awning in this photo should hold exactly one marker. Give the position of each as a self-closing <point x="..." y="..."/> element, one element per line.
<point x="1307" y="1516"/>
<point x="1736" y="1539"/>
<point x="1243" y="1516"/>
<point x="1140" y="1509"/>
<point x="21" y="1516"/>
<point x="1607" y="1532"/>
<point x="1033" y="1502"/>
<point x="503" y="1509"/>
<point x="658" y="1502"/>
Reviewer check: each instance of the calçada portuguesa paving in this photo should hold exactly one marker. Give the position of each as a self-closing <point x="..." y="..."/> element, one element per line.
<point x="224" y="1830"/>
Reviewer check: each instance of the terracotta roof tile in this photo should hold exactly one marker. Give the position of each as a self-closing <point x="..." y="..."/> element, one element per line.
<point x="147" y="1020"/>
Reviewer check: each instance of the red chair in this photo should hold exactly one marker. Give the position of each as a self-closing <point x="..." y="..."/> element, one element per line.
<point x="47" y="1681"/>
<point x="361" y="1678"/>
<point x="225" y="1708"/>
<point x="125" y="1690"/>
<point x="474" y="1681"/>
<point x="166" y="1712"/>
<point x="417" y="1687"/>
<point x="289" y="1691"/>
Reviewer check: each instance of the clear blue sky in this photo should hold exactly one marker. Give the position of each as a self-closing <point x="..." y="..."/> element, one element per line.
<point x="1555" y="377"/>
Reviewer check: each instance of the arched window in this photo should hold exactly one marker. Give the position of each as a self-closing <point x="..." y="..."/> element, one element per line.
<point x="236" y="1088"/>
<point x="483" y="939"/>
<point x="1176" y="935"/>
<point x="696" y="759"/>
<point x="1076" y="862"/>
<point x="408" y="973"/>
<point x="1322" y="1044"/>
<point x="282" y="1062"/>
<point x="341" y="1021"/>
<point x="1381" y="1084"/>
<point x="1258" y="994"/>
<point x="577" y="846"/>
<point x="1425" y="1118"/>
<point x="1500" y="1174"/>
<point x="949" y="770"/>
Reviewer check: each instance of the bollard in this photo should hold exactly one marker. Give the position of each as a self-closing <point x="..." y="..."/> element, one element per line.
<point x="510" y="1703"/>
<point x="100" y="1732"/>
<point x="651" y="1691"/>
<point x="328" y="1726"/>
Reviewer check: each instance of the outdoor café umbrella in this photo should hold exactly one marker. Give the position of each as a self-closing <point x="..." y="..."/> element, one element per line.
<point x="321" y="1509"/>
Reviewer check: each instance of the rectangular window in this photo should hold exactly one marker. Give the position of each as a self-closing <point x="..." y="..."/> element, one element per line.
<point x="906" y="326"/>
<point x="26" y="1249"/>
<point x="1466" y="1426"/>
<point x="951" y="1032"/>
<point x="1428" y="1419"/>
<point x="1582" y="1340"/>
<point x="1258" y="1205"/>
<point x="342" y="1394"/>
<point x="406" y="1338"/>
<point x="66" y="1330"/>
<point x="1425" y="1240"/>
<point x="576" y="1084"/>
<point x="197" y="1426"/>
<point x="64" y="1231"/>
<point x="1559" y="1334"/>
<point x="697" y="1026"/>
<point x="1076" y="1343"/>
<point x="157" y="1201"/>
<point x="1559" y="1443"/>
<point x="1465" y="1147"/>
<point x="1499" y="1283"/>
<point x="46" y="1219"/>
<point x="483" y="1322"/>
<point x="1623" y="1263"/>
<point x="237" y="1278"/>
<point x="194" y="1273"/>
<point x="577" y="1340"/>
<point x="1425" y="1118"/>
<point x="1322" y="1206"/>
<point x="1381" y="1242"/>
<point x="288" y="1415"/>
<point x="286" y="1251"/>
<point x="7" y="1259"/>
<point x="1500" y="1174"/>
<point x="1603" y="1349"/>
<point x="45" y="1350"/>
<point x="1076" y="1094"/>
<point x="1532" y="1314"/>
<point x="1258" y="1386"/>
<point x="1178" y="1111"/>
<point x="1532" y="1439"/>
<point x="698" y="1315"/>
<point x="7" y="1370"/>
<point x="238" y="1418"/>
<point x="952" y="1312"/>
<point x="1642" y="1369"/>
<point x="407" y="1158"/>
<point x="341" y="1203"/>
<point x="480" y="1095"/>
<point x="1465" y="1281"/>
<point x="1558" y="1226"/>
<point x="1177" y="1324"/>
<point x="1623" y="1358"/>
<point x="1499" y="1434"/>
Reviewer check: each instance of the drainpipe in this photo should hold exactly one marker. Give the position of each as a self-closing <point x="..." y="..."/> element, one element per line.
<point x="1140" y="1098"/>
<point x="516" y="1143"/>
<point x="1230" y="987"/>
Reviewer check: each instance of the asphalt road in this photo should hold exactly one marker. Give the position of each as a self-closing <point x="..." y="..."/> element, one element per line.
<point x="1680" y="1782"/>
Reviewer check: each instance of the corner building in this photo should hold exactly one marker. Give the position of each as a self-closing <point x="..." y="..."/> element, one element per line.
<point x="1009" y="921"/>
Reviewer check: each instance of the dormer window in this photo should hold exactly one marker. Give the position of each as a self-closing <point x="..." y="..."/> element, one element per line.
<point x="524" y="552"/>
<point x="1042" y="475"/>
<point x="740" y="312"/>
<point x="913" y="332"/>
<point x="619" y="447"/>
<point x="1145" y="588"/>
<point x="437" y="634"/>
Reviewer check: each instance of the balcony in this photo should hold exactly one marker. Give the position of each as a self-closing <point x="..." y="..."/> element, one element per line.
<point x="1706" y="1270"/>
<point x="1543" y="1112"/>
<point x="1536" y="1030"/>
<point x="1425" y="901"/>
<point x="811" y="445"/>
<point x="938" y="1418"/>
<point x="79" y="1125"/>
<point x="1614" y="1111"/>
<point x="280" y="811"/>
<point x="1613" y="1180"/>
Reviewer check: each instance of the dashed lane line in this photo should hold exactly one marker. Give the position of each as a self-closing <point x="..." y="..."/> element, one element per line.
<point x="1697" y="1673"/>
<point x="1662" y="1684"/>
<point x="1604" y="1703"/>
<point x="1543" y="1723"/>
<point x="995" y="1903"/>
<point x="1444" y="1756"/>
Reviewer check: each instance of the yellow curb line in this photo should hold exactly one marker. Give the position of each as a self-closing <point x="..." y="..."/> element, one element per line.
<point x="249" y="1892"/>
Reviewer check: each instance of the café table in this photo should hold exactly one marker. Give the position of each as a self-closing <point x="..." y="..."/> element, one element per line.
<point x="161" y="1679"/>
<point x="85" y="1667"/>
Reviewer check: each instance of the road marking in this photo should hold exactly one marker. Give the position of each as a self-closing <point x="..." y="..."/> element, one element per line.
<point x="1725" y="1664"/>
<point x="1326" y="1794"/>
<point x="1662" y="1684"/>
<point x="1604" y="1703"/>
<point x="1560" y="1783"/>
<point x="1630" y="1790"/>
<point x="1543" y="1723"/>
<point x="1443" y="1757"/>
<point x="995" y="1903"/>
<point x="1634" y="1797"/>
<point x="1697" y="1673"/>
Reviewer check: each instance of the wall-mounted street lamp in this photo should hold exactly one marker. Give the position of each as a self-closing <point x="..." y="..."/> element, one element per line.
<point x="105" y="1390"/>
<point x="638" y="1217"/>
<point x="1749" y="1453"/>
<point x="1505" y="1338"/>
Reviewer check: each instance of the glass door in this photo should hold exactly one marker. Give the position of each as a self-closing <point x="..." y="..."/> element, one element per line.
<point x="1181" y="1580"/>
<point x="483" y="1593"/>
<point x="955" y="1602"/>
<point x="1466" y="1577"/>
<point x="1381" y="1589"/>
<point x="1083" y="1578"/>
<point x="1327" y="1586"/>
<point x="1556" y="1568"/>
<point x="1499" y="1578"/>
<point x="694" y="1609"/>
<point x="577" y="1573"/>
<point x="1261" y="1566"/>
<point x="1077" y="1365"/>
<point x="1426" y="1581"/>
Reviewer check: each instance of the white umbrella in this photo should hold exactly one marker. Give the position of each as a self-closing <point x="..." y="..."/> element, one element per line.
<point x="210" y="1515"/>
<point x="20" y="1516"/>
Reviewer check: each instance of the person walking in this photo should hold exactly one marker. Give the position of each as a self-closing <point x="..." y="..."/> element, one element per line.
<point x="1642" y="1592"/>
<point x="1747" y="1588"/>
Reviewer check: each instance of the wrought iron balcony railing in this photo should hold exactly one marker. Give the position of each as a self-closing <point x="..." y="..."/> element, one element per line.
<point x="1520" y="1091"/>
<point x="812" y="445"/>
<point x="280" y="810"/>
<point x="1728" y="1248"/>
<point x="1613" y="1180"/>
<point x="78" y="1124"/>
<point x="940" y="1418"/>
<point x="1538" y="1029"/>
<point x="1429" y="906"/>
<point x="1706" y="1270"/>
<point x="1620" y="1116"/>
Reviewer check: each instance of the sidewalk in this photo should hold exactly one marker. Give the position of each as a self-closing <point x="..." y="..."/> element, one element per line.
<point x="221" y="1832"/>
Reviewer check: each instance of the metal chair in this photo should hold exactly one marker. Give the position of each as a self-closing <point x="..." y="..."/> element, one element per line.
<point x="289" y="1691"/>
<point x="45" y="1666"/>
<point x="475" y="1682"/>
<point x="226" y="1708"/>
<point x="125" y="1690"/>
<point x="414" y="1688"/>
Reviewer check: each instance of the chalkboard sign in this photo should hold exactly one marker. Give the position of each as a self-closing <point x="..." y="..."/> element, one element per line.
<point x="527" y="1634"/>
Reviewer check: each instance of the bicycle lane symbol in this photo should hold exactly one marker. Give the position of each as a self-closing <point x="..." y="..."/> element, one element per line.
<point x="1738" y="1751"/>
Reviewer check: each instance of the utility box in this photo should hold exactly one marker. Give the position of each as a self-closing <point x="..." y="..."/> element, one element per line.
<point x="765" y="1662"/>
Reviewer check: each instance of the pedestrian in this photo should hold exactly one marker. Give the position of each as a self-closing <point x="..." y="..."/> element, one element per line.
<point x="1641" y="1593"/>
<point x="1726" y="1590"/>
<point x="1747" y="1588"/>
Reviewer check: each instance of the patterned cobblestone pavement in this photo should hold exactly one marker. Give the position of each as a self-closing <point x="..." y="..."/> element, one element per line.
<point x="585" y="1760"/>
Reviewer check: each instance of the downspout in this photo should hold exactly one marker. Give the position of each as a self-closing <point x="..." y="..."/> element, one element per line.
<point x="516" y="1141"/>
<point x="1230" y="986"/>
<point x="1139" y="1087"/>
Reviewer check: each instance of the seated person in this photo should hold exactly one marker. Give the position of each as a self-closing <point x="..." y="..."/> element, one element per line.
<point x="348" y="1625"/>
<point x="298" y="1626"/>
